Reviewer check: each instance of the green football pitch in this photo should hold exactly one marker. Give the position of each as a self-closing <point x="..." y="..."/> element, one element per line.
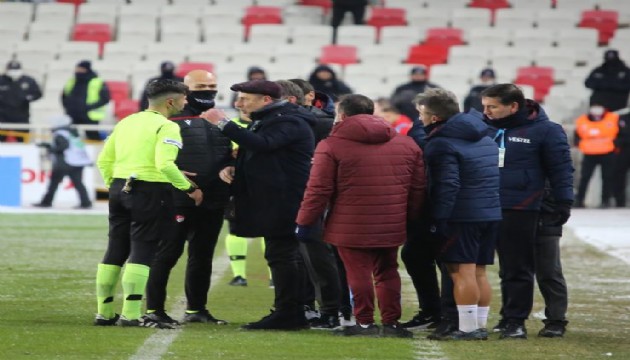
<point x="47" y="304"/>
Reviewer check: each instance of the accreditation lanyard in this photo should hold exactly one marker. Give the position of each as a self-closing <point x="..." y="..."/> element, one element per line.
<point x="501" y="133"/>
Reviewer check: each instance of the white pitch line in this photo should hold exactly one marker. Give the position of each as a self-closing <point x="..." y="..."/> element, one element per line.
<point x="158" y="344"/>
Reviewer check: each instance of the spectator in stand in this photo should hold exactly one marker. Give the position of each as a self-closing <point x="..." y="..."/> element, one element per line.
<point x="17" y="91"/>
<point x="610" y="82"/>
<point x="339" y="10"/>
<point x="595" y="135"/>
<point x="253" y="73"/>
<point x="85" y="97"/>
<point x="487" y="78"/>
<point x="167" y="70"/>
<point x="403" y="96"/>
<point x="324" y="79"/>
<point x="401" y="123"/>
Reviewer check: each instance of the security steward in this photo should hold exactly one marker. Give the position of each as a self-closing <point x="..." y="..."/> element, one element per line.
<point x="138" y="165"/>
<point x="206" y="151"/>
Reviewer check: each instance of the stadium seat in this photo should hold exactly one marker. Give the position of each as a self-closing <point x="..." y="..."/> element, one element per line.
<point x="180" y="31"/>
<point x="401" y="35"/>
<point x="118" y="90"/>
<point x="405" y="4"/>
<point x="124" y="51"/>
<point x="488" y="35"/>
<point x="539" y="77"/>
<point x="72" y="52"/>
<point x="185" y="67"/>
<point x="383" y="54"/>
<point x="492" y="5"/>
<point x="577" y="38"/>
<point x="605" y="21"/>
<point x="561" y="60"/>
<point x="532" y="4"/>
<point x="451" y="74"/>
<point x="312" y="35"/>
<point x="181" y="13"/>
<point x="157" y="53"/>
<point x="533" y="38"/>
<point x="49" y="31"/>
<point x="99" y="33"/>
<point x="469" y="18"/>
<point x="112" y="69"/>
<point x="476" y="57"/>
<point x="380" y="17"/>
<point x="125" y="107"/>
<point x="261" y="15"/>
<point x="358" y="35"/>
<point x="223" y="34"/>
<point x="554" y="20"/>
<point x="429" y="17"/>
<point x="36" y="53"/>
<point x="338" y="54"/>
<point x="446" y="4"/>
<point x="282" y="3"/>
<point x="270" y="33"/>
<point x="324" y="4"/>
<point x="295" y="53"/>
<point x="55" y="12"/>
<point x="97" y="13"/>
<point x="19" y="10"/>
<point x="258" y="51"/>
<point x="427" y="55"/>
<point x="444" y="36"/>
<point x="514" y="18"/>
<point x="576" y="4"/>
<point x="301" y="15"/>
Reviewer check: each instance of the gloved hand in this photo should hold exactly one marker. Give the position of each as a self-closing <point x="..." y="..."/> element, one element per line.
<point x="306" y="233"/>
<point x="562" y="213"/>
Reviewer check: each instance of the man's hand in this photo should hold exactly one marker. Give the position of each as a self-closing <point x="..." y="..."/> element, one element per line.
<point x="227" y="174"/>
<point x="562" y="213"/>
<point x="306" y="234"/>
<point x="196" y="195"/>
<point x="213" y="116"/>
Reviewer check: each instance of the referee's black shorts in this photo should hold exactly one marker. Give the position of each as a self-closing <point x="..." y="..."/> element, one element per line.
<point x="470" y="243"/>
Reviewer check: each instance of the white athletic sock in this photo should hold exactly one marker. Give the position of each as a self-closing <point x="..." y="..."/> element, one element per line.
<point x="467" y="317"/>
<point x="482" y="316"/>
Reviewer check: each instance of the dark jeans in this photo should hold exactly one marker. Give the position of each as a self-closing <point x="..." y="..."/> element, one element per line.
<point x="338" y="13"/>
<point x="137" y="221"/>
<point x="201" y="227"/>
<point x="589" y="162"/>
<point x="345" y="307"/>
<point x="515" y="247"/>
<point x="620" y="177"/>
<point x="281" y="253"/>
<point x="321" y="267"/>
<point x="75" y="173"/>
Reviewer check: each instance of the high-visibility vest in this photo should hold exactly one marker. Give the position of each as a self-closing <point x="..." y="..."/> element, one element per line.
<point x="597" y="137"/>
<point x="93" y="96"/>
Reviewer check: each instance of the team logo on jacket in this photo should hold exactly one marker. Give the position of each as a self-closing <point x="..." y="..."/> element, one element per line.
<point x="180" y="218"/>
<point x="187" y="122"/>
<point x="519" y="140"/>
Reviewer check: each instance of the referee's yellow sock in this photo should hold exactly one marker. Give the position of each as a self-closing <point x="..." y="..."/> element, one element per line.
<point x="106" y="280"/>
<point x="236" y="248"/>
<point x="134" y="281"/>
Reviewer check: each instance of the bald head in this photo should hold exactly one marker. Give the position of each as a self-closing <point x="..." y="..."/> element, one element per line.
<point x="200" y="80"/>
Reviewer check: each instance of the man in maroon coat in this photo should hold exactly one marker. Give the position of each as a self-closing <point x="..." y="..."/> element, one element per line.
<point x="371" y="180"/>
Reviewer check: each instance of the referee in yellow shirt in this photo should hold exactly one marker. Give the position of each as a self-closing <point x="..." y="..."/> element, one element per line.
<point x="138" y="166"/>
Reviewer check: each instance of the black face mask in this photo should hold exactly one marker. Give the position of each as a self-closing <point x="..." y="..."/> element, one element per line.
<point x="201" y="100"/>
<point x="82" y="76"/>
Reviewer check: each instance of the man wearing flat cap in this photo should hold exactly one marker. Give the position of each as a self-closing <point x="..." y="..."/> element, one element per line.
<point x="268" y="183"/>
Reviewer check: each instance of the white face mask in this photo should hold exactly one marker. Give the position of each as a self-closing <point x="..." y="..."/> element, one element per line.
<point x="14" y="73"/>
<point x="596" y="111"/>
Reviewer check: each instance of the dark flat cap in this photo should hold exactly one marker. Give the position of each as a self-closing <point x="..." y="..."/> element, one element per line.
<point x="262" y="87"/>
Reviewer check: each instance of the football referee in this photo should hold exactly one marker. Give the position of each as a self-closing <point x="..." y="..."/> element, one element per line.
<point x="138" y="166"/>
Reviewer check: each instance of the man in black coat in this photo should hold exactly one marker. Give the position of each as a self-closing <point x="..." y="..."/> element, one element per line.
<point x="341" y="7"/>
<point x="16" y="93"/>
<point x="610" y="82"/>
<point x="403" y="95"/>
<point x="205" y="152"/>
<point x="268" y="183"/>
<point x="487" y="78"/>
<point x="167" y="71"/>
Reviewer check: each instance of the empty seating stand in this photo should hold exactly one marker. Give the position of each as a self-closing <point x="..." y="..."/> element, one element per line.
<point x="339" y="54"/>
<point x="99" y="33"/>
<point x="261" y="15"/>
<point x="541" y="78"/>
<point x="380" y="17"/>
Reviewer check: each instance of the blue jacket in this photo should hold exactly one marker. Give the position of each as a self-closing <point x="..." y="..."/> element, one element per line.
<point x="536" y="149"/>
<point x="463" y="171"/>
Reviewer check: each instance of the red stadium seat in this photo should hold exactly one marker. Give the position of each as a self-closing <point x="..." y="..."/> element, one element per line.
<point x="324" y="4"/>
<point x="427" y="54"/>
<point x="100" y="33"/>
<point x="339" y="54"/>
<point x="605" y="21"/>
<point x="185" y="67"/>
<point x="540" y="77"/>
<point x="261" y="15"/>
<point x="380" y="16"/>
<point x="493" y="5"/>
<point x="444" y="37"/>
<point x="125" y="107"/>
<point x="118" y="90"/>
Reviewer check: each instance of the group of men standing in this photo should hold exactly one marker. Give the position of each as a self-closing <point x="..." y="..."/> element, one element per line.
<point x="358" y="190"/>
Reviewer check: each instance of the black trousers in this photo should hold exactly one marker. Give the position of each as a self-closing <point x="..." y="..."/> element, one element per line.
<point x="75" y="173"/>
<point x="281" y="253"/>
<point x="589" y="162"/>
<point x="201" y="227"/>
<point x="321" y="268"/>
<point x="515" y="247"/>
<point x="338" y="13"/>
<point x="620" y="177"/>
<point x="137" y="221"/>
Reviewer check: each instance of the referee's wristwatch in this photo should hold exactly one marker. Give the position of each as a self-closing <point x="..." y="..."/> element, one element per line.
<point x="222" y="123"/>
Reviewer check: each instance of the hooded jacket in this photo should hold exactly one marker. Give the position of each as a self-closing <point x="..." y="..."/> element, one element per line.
<point x="15" y="98"/>
<point x="371" y="179"/>
<point x="271" y="170"/>
<point x="610" y="83"/>
<point x="333" y="87"/>
<point x="463" y="170"/>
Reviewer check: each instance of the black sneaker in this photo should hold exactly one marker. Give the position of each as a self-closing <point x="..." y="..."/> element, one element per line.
<point x="395" y="330"/>
<point x="500" y="326"/>
<point x="443" y="330"/>
<point x="358" y="330"/>
<point x="326" y="322"/>
<point x="161" y="316"/>
<point x="422" y="321"/>
<point x="203" y="316"/>
<point x="553" y="328"/>
<point x="514" y="330"/>
<point x="479" y="334"/>
<point x="100" y="320"/>
<point x="42" y="205"/>
<point x="280" y="320"/>
<point x="238" y="281"/>
<point x="311" y="314"/>
<point x="144" y="322"/>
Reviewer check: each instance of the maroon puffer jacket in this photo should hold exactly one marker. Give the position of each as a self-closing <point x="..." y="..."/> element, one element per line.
<point x="372" y="180"/>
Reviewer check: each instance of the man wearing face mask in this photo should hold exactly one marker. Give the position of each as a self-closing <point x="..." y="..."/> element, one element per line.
<point x="205" y="152"/>
<point x="595" y="134"/>
<point x="84" y="98"/>
<point x="610" y="82"/>
<point x="167" y="71"/>
<point x="16" y="93"/>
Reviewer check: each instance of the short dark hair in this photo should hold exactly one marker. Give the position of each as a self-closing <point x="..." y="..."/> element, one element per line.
<point x="355" y="104"/>
<point x="288" y="88"/>
<point x="160" y="87"/>
<point x="506" y="93"/>
<point x="303" y="84"/>
<point x="440" y="102"/>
